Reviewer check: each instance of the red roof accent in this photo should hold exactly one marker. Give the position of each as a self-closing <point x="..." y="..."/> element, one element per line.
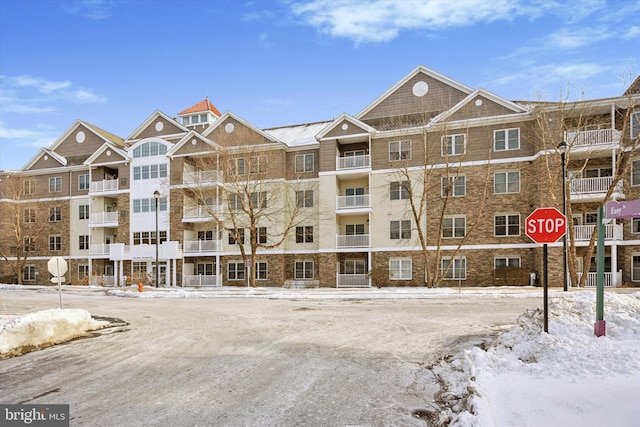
<point x="204" y="105"/>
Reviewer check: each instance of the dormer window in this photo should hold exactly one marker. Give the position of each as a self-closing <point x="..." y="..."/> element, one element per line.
<point x="195" y="119"/>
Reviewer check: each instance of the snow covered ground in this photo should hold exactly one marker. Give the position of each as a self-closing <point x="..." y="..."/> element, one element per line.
<point x="524" y="377"/>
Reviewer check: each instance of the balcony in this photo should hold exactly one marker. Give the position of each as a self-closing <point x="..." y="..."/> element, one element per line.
<point x="201" y="213"/>
<point x="200" y="280"/>
<point x="104" y="186"/>
<point x="100" y="250"/>
<point x="362" y="201"/>
<point x="103" y="219"/>
<point x="593" y="189"/>
<point x="583" y="232"/>
<point x="353" y="162"/>
<point x="352" y="241"/>
<point x="197" y="247"/>
<point x="353" y="281"/>
<point x="166" y="250"/>
<point x="611" y="280"/>
<point x="209" y="177"/>
<point x="591" y="138"/>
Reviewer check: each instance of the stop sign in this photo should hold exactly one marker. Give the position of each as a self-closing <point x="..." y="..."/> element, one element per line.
<point x="546" y="225"/>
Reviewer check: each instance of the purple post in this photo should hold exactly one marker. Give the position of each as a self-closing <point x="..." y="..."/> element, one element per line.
<point x="600" y="328"/>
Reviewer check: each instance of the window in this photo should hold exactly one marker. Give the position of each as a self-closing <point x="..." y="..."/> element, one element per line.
<point x="399" y="190"/>
<point x="29" y="273"/>
<point x="400" y="269"/>
<point x="453" y="144"/>
<point x="138" y="267"/>
<point x="83" y="182"/>
<point x="400" y="229"/>
<point x="635" y="124"/>
<point x="149" y="171"/>
<point x="235" y="235"/>
<point x="304" y="234"/>
<point x="457" y="269"/>
<point x="29" y="186"/>
<point x="258" y="165"/>
<point x="55" y="214"/>
<point x="635" y="267"/>
<point x="237" y="166"/>
<point x="29" y="215"/>
<point x="507" y="225"/>
<point x="205" y="269"/>
<point x="259" y="200"/>
<point x="55" y="184"/>
<point x="304" y="199"/>
<point x="506" y="182"/>
<point x="355" y="266"/>
<point x="455" y="186"/>
<point x="148" y="237"/>
<point x="205" y="235"/>
<point x="506" y="139"/>
<point x="635" y="225"/>
<point x="454" y="226"/>
<point x="235" y="201"/>
<point x="590" y="218"/>
<point x="598" y="173"/>
<point x="303" y="270"/>
<point x="261" y="271"/>
<point x="399" y="150"/>
<point x="55" y="243"/>
<point x="83" y="242"/>
<point x="149" y="149"/>
<point x="28" y="245"/>
<point x="83" y="212"/>
<point x="83" y="271"/>
<point x="635" y="172"/>
<point x="235" y="271"/>
<point x="500" y="262"/>
<point x="354" y="229"/>
<point x="261" y="235"/>
<point x="305" y="162"/>
<point x="149" y="205"/>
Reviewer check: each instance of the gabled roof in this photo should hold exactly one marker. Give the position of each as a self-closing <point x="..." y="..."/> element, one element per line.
<point x="227" y="115"/>
<point x="418" y="70"/>
<point x="156" y="114"/>
<point x="634" y="88"/>
<point x="365" y="128"/>
<point x="42" y="152"/>
<point x="122" y="154"/>
<point x="100" y="133"/>
<point x="509" y="105"/>
<point x="204" y="105"/>
<point x="192" y="137"/>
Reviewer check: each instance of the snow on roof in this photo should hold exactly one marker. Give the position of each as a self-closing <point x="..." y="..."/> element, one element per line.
<point x="298" y="135"/>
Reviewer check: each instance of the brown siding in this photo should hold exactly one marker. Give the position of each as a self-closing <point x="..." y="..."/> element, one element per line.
<point x="70" y="147"/>
<point x="169" y="128"/>
<point x="472" y="111"/>
<point x="337" y="130"/>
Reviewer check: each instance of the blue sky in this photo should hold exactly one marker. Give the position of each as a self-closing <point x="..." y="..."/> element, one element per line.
<point x="113" y="63"/>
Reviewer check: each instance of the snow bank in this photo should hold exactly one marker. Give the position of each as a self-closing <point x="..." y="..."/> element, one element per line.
<point x="567" y="377"/>
<point x="44" y="328"/>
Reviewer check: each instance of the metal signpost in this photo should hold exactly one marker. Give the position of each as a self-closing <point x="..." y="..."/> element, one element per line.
<point x="57" y="267"/>
<point x="546" y="225"/>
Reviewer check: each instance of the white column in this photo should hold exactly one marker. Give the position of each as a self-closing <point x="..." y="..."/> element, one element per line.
<point x="173" y="272"/>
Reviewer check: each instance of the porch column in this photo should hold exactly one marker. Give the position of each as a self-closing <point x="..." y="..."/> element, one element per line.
<point x="90" y="272"/>
<point x="116" y="274"/>
<point x="173" y="273"/>
<point x="614" y="264"/>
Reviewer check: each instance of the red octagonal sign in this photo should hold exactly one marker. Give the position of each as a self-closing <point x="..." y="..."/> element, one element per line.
<point x="546" y="225"/>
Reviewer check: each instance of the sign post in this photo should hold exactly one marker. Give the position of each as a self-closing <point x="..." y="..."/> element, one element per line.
<point x="57" y="267"/>
<point x="546" y="225"/>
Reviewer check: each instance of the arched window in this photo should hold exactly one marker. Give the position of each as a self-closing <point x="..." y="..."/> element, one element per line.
<point x="149" y="149"/>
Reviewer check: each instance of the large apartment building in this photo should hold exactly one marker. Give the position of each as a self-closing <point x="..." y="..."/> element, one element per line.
<point x="429" y="184"/>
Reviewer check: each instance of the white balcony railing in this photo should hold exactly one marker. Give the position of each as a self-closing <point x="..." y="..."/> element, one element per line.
<point x="352" y="202"/>
<point x="100" y="249"/>
<point x="104" y="186"/>
<point x="103" y="218"/>
<point x="592" y="137"/>
<point x="610" y="279"/>
<point x="353" y="162"/>
<point x="591" y="185"/>
<point x="201" y="212"/>
<point x="102" y="280"/>
<point x="352" y="241"/>
<point x="201" y="177"/>
<point x="201" y="246"/>
<point x="353" y="280"/>
<point x="584" y="232"/>
<point x="199" y="280"/>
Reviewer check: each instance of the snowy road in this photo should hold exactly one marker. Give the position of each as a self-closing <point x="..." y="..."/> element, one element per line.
<point x="249" y="362"/>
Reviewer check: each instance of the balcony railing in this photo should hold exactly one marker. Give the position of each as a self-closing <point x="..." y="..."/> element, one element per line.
<point x="104" y="186"/>
<point x="353" y="162"/>
<point x="202" y="177"/>
<point x="200" y="280"/>
<point x="102" y="280"/>
<point x="610" y="280"/>
<point x="352" y="202"/>
<point x="201" y="246"/>
<point x="201" y="212"/>
<point x="353" y="280"/>
<point x="591" y="185"/>
<point x="100" y="249"/>
<point x="592" y="137"/>
<point x="352" y="241"/>
<point x="103" y="219"/>
<point x="584" y="232"/>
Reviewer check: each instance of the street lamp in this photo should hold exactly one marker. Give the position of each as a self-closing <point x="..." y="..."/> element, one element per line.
<point x="156" y="195"/>
<point x="563" y="150"/>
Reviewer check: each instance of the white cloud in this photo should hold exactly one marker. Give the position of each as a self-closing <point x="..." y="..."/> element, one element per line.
<point x="85" y="96"/>
<point x="571" y="39"/>
<point x="96" y="10"/>
<point x="632" y="33"/>
<point x="42" y="136"/>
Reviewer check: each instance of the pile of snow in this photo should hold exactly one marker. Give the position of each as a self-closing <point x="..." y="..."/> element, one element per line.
<point x="44" y="328"/>
<point x="568" y="377"/>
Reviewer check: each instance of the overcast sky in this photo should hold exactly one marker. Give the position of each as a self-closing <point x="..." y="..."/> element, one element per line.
<point x="113" y="63"/>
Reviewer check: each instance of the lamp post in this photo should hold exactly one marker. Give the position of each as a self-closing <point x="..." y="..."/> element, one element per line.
<point x="563" y="150"/>
<point x="156" y="195"/>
